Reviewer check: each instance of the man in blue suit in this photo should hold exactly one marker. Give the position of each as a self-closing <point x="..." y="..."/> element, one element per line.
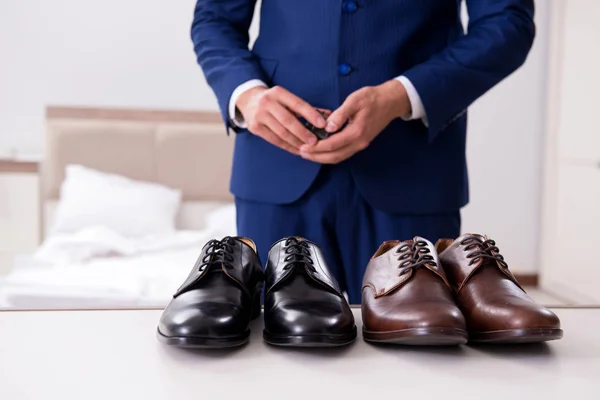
<point x="401" y="72"/>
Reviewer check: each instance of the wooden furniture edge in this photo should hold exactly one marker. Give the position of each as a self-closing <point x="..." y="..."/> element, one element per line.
<point x="129" y="114"/>
<point x="527" y="279"/>
<point x="20" y="167"/>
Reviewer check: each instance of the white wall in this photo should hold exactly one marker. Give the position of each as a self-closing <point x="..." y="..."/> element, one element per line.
<point x="506" y="131"/>
<point x="134" y="53"/>
<point x="137" y="53"/>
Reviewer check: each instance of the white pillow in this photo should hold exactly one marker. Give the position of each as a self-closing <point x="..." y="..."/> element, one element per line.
<point x="90" y="198"/>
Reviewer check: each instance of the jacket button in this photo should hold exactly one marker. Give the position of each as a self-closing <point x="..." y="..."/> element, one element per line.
<point x="349" y="6"/>
<point x="344" y="69"/>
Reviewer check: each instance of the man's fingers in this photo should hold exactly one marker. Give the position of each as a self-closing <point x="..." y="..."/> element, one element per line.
<point x="325" y="111"/>
<point x="334" y="157"/>
<point x="280" y="130"/>
<point x="338" y="147"/>
<point x="335" y="142"/>
<point x="291" y="123"/>
<point x="271" y="137"/>
<point x="345" y="113"/>
<point x="299" y="107"/>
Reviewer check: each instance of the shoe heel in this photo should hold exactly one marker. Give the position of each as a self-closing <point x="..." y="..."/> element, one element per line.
<point x="256" y="309"/>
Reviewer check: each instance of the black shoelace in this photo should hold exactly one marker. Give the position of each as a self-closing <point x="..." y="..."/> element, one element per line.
<point x="298" y="253"/>
<point x="218" y="252"/>
<point x="482" y="250"/>
<point x="415" y="256"/>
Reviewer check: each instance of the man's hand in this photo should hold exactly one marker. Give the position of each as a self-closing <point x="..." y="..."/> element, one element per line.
<point x="273" y="114"/>
<point x="368" y="111"/>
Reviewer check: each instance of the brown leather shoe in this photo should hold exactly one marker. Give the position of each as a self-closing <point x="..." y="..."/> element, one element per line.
<point x="406" y="298"/>
<point x="496" y="307"/>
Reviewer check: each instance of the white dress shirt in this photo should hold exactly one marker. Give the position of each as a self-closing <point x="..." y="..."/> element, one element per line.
<point x="418" y="111"/>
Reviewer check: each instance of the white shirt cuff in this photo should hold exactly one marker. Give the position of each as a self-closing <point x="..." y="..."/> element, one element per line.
<point x="418" y="110"/>
<point x="234" y="115"/>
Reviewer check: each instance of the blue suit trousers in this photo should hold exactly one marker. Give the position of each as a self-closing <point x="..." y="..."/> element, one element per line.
<point x="334" y="214"/>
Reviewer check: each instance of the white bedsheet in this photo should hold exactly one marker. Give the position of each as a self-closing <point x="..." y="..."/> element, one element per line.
<point x="99" y="268"/>
<point x="142" y="280"/>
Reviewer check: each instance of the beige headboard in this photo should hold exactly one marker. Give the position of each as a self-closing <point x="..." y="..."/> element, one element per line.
<point x="181" y="149"/>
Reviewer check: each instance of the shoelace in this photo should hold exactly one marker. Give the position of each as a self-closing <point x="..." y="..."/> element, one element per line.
<point x="219" y="252"/>
<point x="298" y="254"/>
<point x="415" y="256"/>
<point x="483" y="249"/>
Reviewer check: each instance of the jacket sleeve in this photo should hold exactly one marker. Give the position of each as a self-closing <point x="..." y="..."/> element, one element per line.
<point x="220" y="36"/>
<point x="500" y="35"/>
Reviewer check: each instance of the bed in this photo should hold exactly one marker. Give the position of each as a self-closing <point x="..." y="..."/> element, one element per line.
<point x="183" y="150"/>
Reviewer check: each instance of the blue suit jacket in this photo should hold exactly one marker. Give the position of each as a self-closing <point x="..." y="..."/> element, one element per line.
<point x="408" y="168"/>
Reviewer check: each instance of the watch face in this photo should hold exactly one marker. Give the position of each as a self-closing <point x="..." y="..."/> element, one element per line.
<point x="320" y="133"/>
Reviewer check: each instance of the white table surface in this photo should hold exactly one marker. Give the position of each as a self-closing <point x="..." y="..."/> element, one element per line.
<point x="108" y="355"/>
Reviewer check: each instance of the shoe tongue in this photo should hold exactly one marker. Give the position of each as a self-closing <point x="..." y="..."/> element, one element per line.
<point x="481" y="238"/>
<point x="471" y="235"/>
<point x="421" y="239"/>
<point x="432" y="250"/>
<point x="213" y="266"/>
<point x="291" y="239"/>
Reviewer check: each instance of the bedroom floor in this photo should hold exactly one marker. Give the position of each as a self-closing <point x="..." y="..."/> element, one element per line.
<point x="544" y="297"/>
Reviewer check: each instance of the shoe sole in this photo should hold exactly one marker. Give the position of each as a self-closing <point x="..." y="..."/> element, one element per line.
<point x="321" y="340"/>
<point x="215" y="342"/>
<point x="197" y="342"/>
<point x="419" y="337"/>
<point x="531" y="335"/>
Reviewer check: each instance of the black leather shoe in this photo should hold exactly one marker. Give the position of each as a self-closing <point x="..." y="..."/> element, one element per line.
<point x="214" y="306"/>
<point x="304" y="305"/>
